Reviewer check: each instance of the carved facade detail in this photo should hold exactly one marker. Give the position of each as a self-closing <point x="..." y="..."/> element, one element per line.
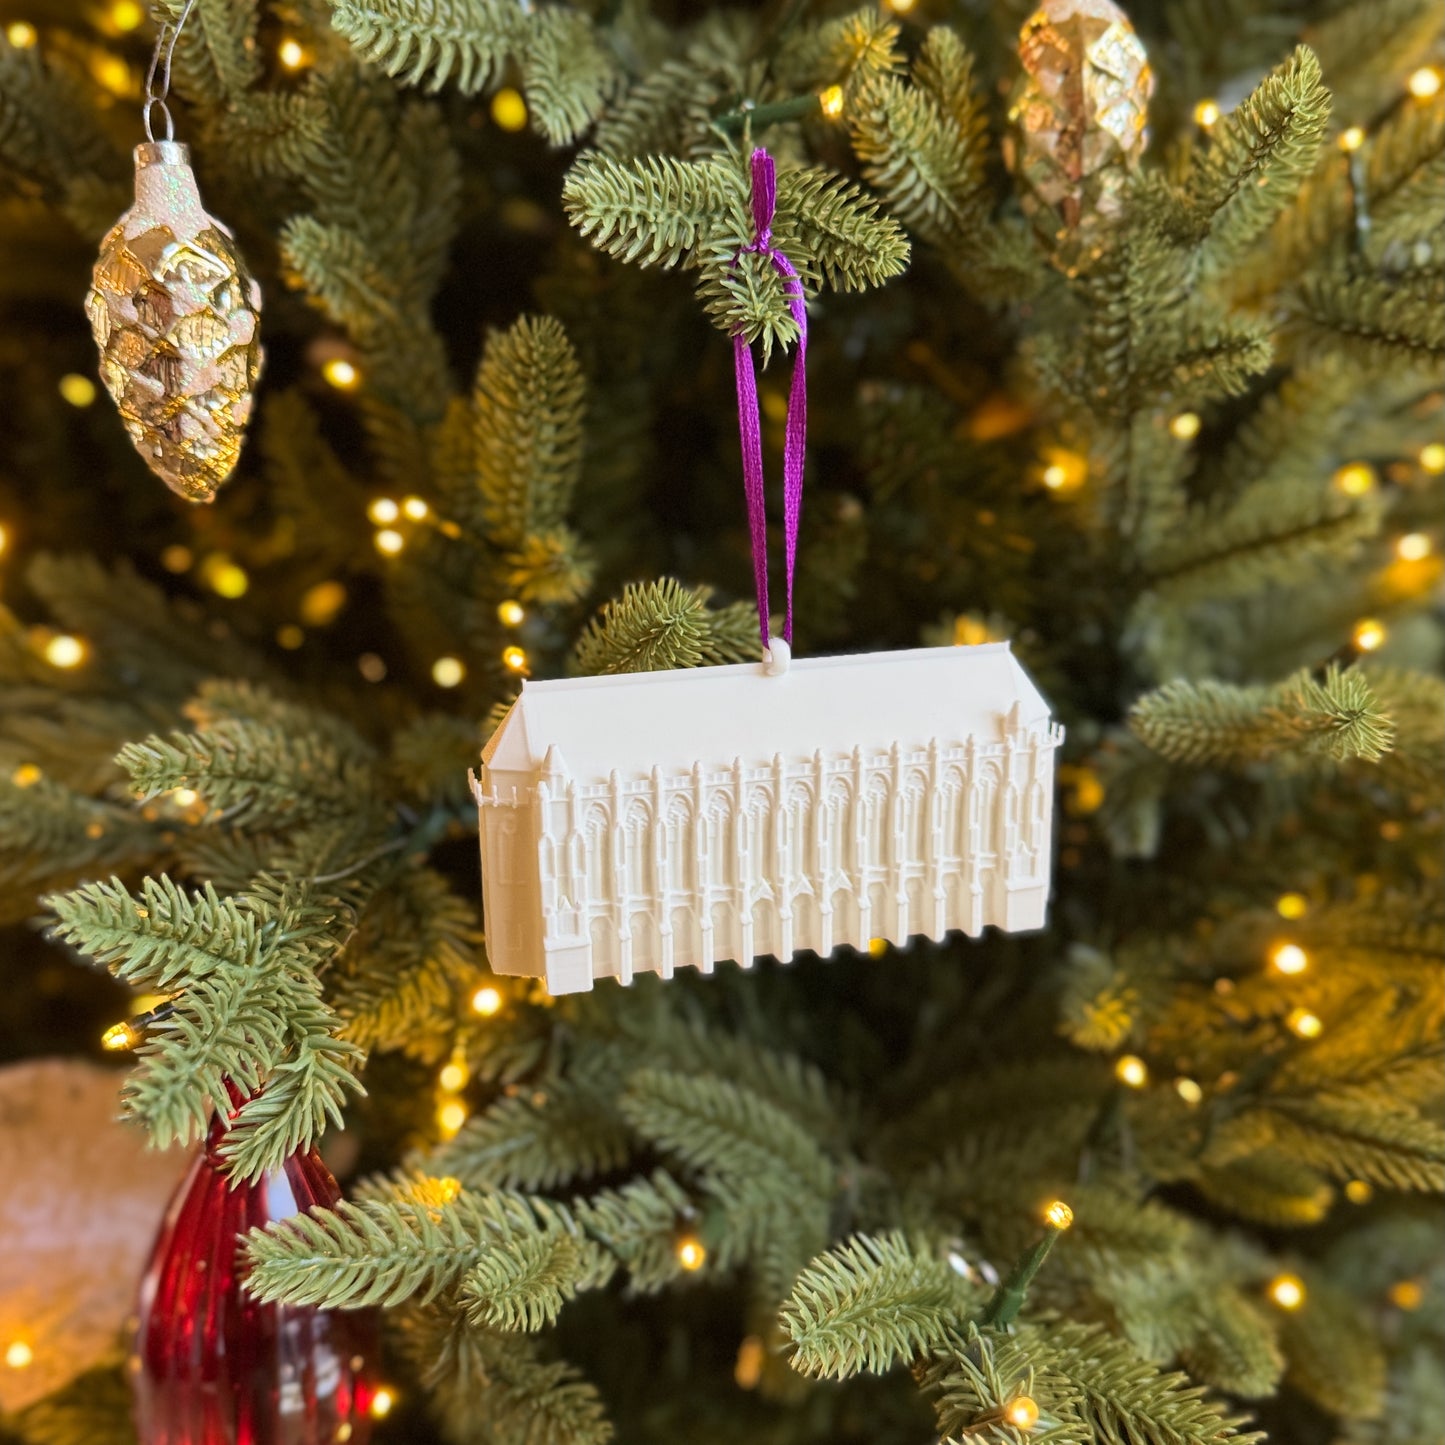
<point x="606" y="876"/>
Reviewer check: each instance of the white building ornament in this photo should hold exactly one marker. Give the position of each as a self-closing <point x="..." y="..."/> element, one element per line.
<point x="674" y="819"/>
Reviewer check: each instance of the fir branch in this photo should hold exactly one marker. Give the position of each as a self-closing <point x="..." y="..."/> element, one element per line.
<point x="655" y="626"/>
<point x="487" y="1385"/>
<point x="1258" y="158"/>
<point x="567" y="73"/>
<point x="217" y="57"/>
<point x="525" y="1287"/>
<point x="434" y="40"/>
<point x="654" y="211"/>
<point x="538" y="1139"/>
<point x="1213" y="723"/>
<point x="832" y="232"/>
<point x="411" y="1245"/>
<point x="638" y="1224"/>
<point x="1332" y="1355"/>
<point x="245" y="1007"/>
<point x="1366" y="46"/>
<point x="259" y="775"/>
<point x="871" y="1304"/>
<point x="415" y="944"/>
<point x="528" y="409"/>
<point x="551" y="568"/>
<point x="1278" y="1192"/>
<point x="712" y="1124"/>
<point x="1273" y="533"/>
<point x="1377" y="322"/>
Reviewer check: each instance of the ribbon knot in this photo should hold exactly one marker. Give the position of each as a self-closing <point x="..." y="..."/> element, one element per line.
<point x="764" y="203"/>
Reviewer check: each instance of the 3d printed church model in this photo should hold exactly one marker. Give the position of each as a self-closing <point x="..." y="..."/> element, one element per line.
<point x="667" y="819"/>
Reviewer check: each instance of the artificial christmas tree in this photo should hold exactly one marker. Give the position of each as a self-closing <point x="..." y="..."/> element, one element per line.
<point x="1162" y="1173"/>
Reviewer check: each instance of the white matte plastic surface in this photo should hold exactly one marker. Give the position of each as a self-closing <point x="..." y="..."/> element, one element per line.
<point x="669" y="819"/>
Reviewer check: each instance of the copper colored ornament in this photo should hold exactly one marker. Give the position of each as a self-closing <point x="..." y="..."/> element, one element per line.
<point x="1079" y="110"/>
<point x="176" y="316"/>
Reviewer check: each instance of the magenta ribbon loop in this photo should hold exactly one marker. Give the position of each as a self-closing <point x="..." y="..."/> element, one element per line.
<point x="765" y="195"/>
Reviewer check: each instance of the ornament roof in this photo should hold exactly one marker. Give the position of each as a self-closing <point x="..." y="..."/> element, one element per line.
<point x="671" y="720"/>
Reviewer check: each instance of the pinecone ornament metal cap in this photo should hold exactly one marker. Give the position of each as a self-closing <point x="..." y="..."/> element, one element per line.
<point x="177" y="318"/>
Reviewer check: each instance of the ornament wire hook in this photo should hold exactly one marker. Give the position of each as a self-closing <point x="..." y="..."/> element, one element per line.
<point x="158" y="77"/>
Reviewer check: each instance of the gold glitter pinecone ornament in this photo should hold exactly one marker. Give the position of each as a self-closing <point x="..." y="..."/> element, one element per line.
<point x="1079" y="111"/>
<point x="177" y="318"/>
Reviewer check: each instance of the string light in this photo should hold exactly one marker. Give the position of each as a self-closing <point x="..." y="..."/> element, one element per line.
<point x="1189" y="1091"/>
<point x="1287" y="1291"/>
<point x="226" y="578"/>
<point x="1352" y="139"/>
<point x="291" y="53"/>
<point x="177" y="558"/>
<point x="511" y="613"/>
<point x="451" y="1115"/>
<point x="1207" y="113"/>
<point x="289" y="636"/>
<point x="1425" y="83"/>
<point x="1291" y="905"/>
<point x="382" y="511"/>
<point x="900" y="7"/>
<point x="21" y="34"/>
<point x="1289" y="958"/>
<point x="118" y="1038"/>
<point x="26" y="775"/>
<point x="388" y="542"/>
<point x="514" y="659"/>
<point x="690" y="1253"/>
<point x="321" y="603"/>
<point x="371" y="666"/>
<point x="1305" y="1024"/>
<point x="1064" y="471"/>
<point x="830" y="102"/>
<point x="969" y="631"/>
<point x="19" y="1355"/>
<point x="447" y="671"/>
<point x="1355" y="479"/>
<point x="341" y="374"/>
<point x="113" y="73"/>
<point x="486" y="1001"/>
<point x="1407" y="1294"/>
<point x="415" y="508"/>
<point x="4" y="541"/>
<point x="78" y="390"/>
<point x="1022" y="1412"/>
<point x="1132" y="1070"/>
<point x="63" y="650"/>
<point x="749" y="1367"/>
<point x="1432" y="458"/>
<point x="126" y="15"/>
<point x="1369" y="635"/>
<point x="1058" y="1216"/>
<point x="185" y="797"/>
<point x="1359" y="1191"/>
<point x="509" y="110"/>
<point x="1185" y="426"/>
<point x="454" y="1076"/>
<point x="1413" y="547"/>
<point x="382" y="1402"/>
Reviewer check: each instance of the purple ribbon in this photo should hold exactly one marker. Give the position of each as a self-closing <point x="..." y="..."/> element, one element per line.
<point x="765" y="195"/>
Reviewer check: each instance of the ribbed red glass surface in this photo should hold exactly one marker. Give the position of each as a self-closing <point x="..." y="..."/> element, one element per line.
<point x="213" y="1367"/>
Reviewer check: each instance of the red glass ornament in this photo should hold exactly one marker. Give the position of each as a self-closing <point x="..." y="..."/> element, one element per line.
<point x="211" y="1365"/>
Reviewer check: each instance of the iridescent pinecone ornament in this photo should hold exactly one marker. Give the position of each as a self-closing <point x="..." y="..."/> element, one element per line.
<point x="1079" y="111"/>
<point x="176" y="316"/>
